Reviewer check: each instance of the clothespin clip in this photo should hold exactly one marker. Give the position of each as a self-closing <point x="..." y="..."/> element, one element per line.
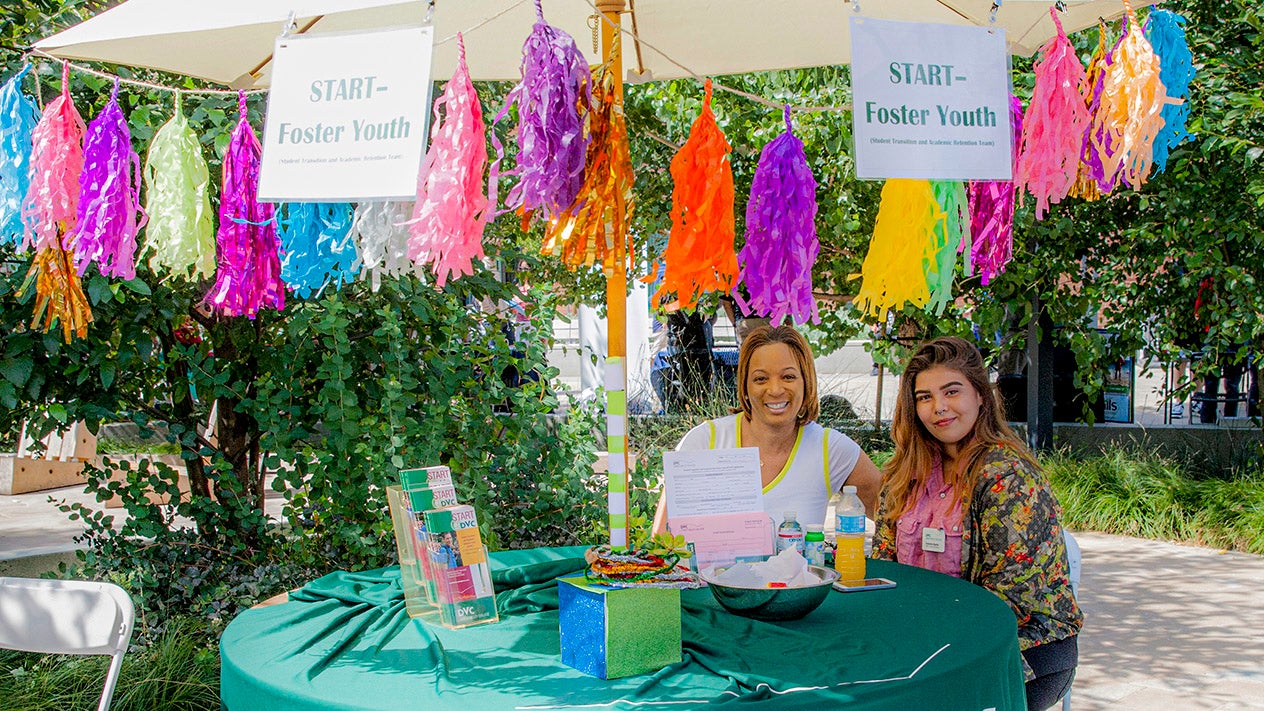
<point x="855" y="6"/>
<point x="291" y="24"/>
<point x="430" y="7"/>
<point x="996" y="5"/>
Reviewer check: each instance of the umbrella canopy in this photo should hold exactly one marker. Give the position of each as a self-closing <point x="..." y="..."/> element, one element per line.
<point x="231" y="41"/>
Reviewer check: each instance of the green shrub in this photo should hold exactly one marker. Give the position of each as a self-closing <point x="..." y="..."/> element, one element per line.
<point x="335" y="395"/>
<point x="1150" y="496"/>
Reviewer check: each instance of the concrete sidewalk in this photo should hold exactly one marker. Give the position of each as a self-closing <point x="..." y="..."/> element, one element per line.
<point x="1168" y="626"/>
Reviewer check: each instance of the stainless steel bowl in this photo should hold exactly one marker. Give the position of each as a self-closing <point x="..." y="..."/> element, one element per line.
<point x="773" y="603"/>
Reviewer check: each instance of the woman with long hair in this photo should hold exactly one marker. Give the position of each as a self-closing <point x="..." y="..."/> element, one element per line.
<point x="801" y="463"/>
<point x="964" y="496"/>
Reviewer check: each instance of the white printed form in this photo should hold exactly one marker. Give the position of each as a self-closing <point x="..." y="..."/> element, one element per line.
<point x="704" y="482"/>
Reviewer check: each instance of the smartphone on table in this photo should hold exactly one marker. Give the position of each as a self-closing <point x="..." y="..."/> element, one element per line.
<point x="866" y="584"/>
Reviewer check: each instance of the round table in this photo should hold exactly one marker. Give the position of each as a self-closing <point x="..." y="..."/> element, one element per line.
<point x="345" y="642"/>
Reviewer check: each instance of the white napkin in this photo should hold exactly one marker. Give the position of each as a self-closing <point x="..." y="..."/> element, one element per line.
<point x="787" y="567"/>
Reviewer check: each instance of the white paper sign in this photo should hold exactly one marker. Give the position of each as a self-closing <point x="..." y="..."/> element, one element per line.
<point x="930" y="101"/>
<point x="705" y="482"/>
<point x="347" y="116"/>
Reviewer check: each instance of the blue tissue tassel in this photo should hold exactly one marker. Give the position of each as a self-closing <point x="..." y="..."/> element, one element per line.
<point x="1166" y="33"/>
<point x="317" y="247"/>
<point x="18" y="116"/>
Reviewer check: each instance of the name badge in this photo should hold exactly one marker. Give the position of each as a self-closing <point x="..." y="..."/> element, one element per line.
<point x="933" y="540"/>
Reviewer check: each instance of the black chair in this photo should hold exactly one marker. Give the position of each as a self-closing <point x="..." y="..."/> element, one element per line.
<point x="1212" y="404"/>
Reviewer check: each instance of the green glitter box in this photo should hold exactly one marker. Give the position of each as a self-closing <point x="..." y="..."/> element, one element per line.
<point x="612" y="632"/>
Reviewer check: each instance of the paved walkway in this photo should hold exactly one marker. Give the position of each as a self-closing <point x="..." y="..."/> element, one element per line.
<point x="1169" y="626"/>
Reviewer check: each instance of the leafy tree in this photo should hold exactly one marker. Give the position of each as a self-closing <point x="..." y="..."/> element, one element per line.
<point x="1191" y="236"/>
<point x="334" y="394"/>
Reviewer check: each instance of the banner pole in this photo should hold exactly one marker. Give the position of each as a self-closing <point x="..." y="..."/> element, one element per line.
<point x="617" y="324"/>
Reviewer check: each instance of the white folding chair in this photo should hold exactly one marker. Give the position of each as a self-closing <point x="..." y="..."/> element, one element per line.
<point x="1073" y="574"/>
<point x="68" y="617"/>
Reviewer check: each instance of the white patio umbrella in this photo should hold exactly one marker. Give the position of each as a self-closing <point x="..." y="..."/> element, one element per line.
<point x="231" y="42"/>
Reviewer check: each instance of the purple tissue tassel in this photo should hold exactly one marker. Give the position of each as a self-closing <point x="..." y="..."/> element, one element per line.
<point x="553" y="97"/>
<point x="247" y="246"/>
<point x="992" y="210"/>
<point x="110" y="215"/>
<point x="781" y="244"/>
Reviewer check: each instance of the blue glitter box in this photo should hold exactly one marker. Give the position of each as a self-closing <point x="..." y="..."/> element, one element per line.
<point x="611" y="632"/>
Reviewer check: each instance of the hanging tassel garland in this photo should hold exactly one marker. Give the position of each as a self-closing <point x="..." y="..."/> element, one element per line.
<point x="952" y="237"/>
<point x="1090" y="167"/>
<point x="52" y="199"/>
<point x="249" y="274"/>
<point x="380" y="231"/>
<point x="1166" y="32"/>
<point x="894" y="270"/>
<point x="699" y="257"/>
<point x="781" y="244"/>
<point x="595" y="229"/>
<point x="553" y="98"/>
<point x="1131" y="105"/>
<point x="180" y="238"/>
<point x="992" y="212"/>
<point x="109" y="214"/>
<point x="451" y="209"/>
<point x="316" y="240"/>
<point x="18" y="116"/>
<point x="1053" y="130"/>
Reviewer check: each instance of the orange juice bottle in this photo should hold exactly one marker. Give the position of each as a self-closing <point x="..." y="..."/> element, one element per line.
<point x="849" y="535"/>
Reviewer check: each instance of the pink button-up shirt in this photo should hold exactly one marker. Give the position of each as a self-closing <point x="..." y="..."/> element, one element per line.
<point x="935" y="508"/>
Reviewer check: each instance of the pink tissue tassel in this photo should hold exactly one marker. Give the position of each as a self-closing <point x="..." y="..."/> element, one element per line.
<point x="1053" y="129"/>
<point x="451" y="209"/>
<point x="992" y="211"/>
<point x="109" y="196"/>
<point x="52" y="200"/>
<point x="249" y="273"/>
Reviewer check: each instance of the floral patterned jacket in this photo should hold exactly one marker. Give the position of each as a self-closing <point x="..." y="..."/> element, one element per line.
<point x="1012" y="545"/>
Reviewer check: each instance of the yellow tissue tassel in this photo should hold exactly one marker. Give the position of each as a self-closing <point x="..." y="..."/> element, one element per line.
<point x="1085" y="187"/>
<point x="1131" y="106"/>
<point x="901" y="250"/>
<point x="58" y="292"/>
<point x="586" y="233"/>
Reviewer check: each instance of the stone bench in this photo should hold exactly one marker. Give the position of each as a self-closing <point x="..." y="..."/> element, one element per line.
<point x="57" y="461"/>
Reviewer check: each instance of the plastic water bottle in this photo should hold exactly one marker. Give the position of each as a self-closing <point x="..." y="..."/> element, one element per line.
<point x="849" y="535"/>
<point x="790" y="533"/>
<point x="814" y="544"/>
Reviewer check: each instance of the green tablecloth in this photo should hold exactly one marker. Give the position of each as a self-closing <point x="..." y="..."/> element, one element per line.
<point x="345" y="642"/>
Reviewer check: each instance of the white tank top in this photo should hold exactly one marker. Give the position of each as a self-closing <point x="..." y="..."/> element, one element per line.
<point x="818" y="466"/>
